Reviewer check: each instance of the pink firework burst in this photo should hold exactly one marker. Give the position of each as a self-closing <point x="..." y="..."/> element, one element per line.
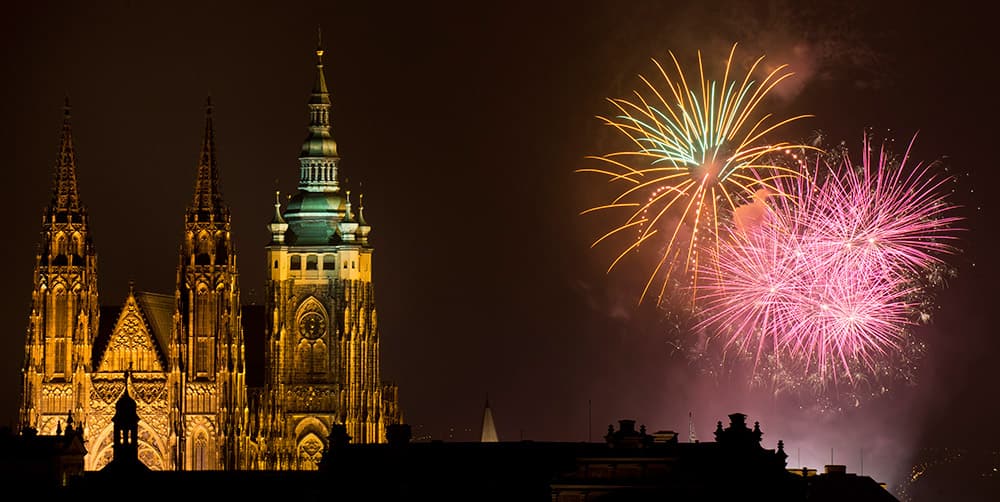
<point x="820" y="275"/>
<point x="882" y="217"/>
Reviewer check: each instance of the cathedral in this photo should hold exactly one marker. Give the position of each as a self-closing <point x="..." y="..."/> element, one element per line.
<point x="182" y="356"/>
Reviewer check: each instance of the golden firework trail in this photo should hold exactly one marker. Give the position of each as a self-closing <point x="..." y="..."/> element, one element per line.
<point x="697" y="154"/>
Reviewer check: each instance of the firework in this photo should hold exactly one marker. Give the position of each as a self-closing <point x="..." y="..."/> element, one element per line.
<point x="696" y="153"/>
<point x="826" y="280"/>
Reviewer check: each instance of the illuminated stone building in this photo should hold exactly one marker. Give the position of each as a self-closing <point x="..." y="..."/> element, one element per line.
<point x="185" y="352"/>
<point x="321" y="323"/>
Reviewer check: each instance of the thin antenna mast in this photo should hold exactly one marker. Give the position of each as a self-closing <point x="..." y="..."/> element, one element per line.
<point x="692" y="438"/>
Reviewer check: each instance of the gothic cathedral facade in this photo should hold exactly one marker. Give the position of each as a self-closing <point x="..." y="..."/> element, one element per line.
<point x="181" y="356"/>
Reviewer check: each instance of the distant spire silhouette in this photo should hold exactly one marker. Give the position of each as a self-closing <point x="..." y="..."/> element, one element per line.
<point x="489" y="434"/>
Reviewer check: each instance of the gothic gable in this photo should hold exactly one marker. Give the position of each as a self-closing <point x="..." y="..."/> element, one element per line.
<point x="132" y="344"/>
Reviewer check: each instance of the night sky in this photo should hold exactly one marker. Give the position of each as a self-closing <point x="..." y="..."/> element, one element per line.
<point x="463" y="124"/>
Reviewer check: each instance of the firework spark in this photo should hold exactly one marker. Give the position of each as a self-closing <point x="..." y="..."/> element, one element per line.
<point x="825" y="280"/>
<point x="696" y="154"/>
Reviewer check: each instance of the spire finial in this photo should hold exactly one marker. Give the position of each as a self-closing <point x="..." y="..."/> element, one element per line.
<point x="277" y="198"/>
<point x="319" y="46"/>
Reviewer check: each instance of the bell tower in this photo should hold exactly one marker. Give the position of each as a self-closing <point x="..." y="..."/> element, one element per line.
<point x="322" y="329"/>
<point x="64" y="315"/>
<point x="208" y="375"/>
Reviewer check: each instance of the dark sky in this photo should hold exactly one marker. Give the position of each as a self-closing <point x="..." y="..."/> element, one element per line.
<point x="463" y="124"/>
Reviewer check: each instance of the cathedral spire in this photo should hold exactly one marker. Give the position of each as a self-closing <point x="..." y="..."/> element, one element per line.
<point x="207" y="196"/>
<point x="318" y="158"/>
<point x="65" y="194"/>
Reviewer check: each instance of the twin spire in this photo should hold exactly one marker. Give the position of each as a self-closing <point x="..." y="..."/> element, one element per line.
<point x="207" y="195"/>
<point x="65" y="194"/>
<point x="318" y="159"/>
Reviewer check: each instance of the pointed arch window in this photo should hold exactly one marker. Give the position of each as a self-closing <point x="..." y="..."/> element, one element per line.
<point x="75" y="245"/>
<point x="312" y="327"/>
<point x="310" y="452"/>
<point x="202" y="249"/>
<point x="221" y="252"/>
<point x="204" y="330"/>
<point x="59" y="367"/>
<point x="60" y="245"/>
<point x="318" y="358"/>
<point x="59" y="329"/>
<point x="59" y="250"/>
<point x="200" y="453"/>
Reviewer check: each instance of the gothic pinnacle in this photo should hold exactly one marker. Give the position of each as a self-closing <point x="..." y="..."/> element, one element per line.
<point x="361" y="209"/>
<point x="277" y="208"/>
<point x="348" y="216"/>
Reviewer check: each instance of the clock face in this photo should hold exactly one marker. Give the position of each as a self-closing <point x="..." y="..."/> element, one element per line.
<point x="312" y="325"/>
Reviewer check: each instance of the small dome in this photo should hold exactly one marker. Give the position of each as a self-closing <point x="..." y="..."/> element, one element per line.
<point x="125" y="410"/>
<point x="125" y="403"/>
<point x="319" y="144"/>
<point x="314" y="202"/>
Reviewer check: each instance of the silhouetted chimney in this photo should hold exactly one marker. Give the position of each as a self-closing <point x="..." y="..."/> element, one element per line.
<point x="835" y="469"/>
<point x="626" y="435"/>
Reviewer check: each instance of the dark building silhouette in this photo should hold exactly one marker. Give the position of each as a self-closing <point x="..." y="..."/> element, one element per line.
<point x="631" y="464"/>
<point x="46" y="461"/>
<point x="126" y="437"/>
